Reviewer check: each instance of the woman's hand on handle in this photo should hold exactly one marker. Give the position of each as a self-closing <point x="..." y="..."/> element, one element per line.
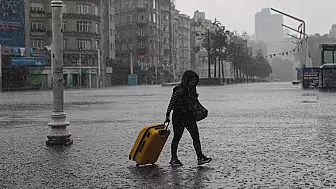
<point x="167" y="120"/>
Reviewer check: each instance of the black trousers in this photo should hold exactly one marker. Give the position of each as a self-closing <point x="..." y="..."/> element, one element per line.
<point x="179" y="123"/>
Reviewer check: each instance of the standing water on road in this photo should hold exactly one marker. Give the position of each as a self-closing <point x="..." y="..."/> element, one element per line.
<point x="260" y="135"/>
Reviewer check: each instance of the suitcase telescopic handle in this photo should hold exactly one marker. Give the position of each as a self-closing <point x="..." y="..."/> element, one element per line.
<point x="166" y="124"/>
<point x="163" y="130"/>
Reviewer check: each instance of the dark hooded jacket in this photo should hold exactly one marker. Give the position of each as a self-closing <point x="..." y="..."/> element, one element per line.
<point x="182" y="94"/>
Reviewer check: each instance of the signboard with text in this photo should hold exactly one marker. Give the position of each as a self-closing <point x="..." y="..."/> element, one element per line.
<point x="27" y="61"/>
<point x="132" y="79"/>
<point x="12" y="19"/>
<point x="310" y="76"/>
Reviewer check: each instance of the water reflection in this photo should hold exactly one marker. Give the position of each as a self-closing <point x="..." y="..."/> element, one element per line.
<point x="176" y="177"/>
<point x="201" y="175"/>
<point x="146" y="171"/>
<point x="172" y="177"/>
<point x="326" y="129"/>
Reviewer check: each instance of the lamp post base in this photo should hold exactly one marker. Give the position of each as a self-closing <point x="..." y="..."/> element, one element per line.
<point x="59" y="142"/>
<point x="59" y="135"/>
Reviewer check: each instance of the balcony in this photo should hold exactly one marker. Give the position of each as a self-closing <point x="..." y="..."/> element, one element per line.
<point x="37" y="32"/>
<point x="141" y="38"/>
<point x="76" y="16"/>
<point x="82" y="34"/>
<point x="142" y="22"/>
<point x="78" y="34"/>
<point x="37" y="12"/>
<point x="141" y="6"/>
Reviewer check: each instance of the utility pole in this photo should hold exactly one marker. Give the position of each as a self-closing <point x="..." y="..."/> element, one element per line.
<point x="156" y="71"/>
<point x="80" y="68"/>
<point x="131" y="62"/>
<point x="209" y="58"/>
<point x="171" y="38"/>
<point x="99" y="69"/>
<point x="58" y="135"/>
<point x="0" y="68"/>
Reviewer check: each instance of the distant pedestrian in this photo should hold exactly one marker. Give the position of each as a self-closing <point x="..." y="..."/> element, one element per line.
<point x="183" y="95"/>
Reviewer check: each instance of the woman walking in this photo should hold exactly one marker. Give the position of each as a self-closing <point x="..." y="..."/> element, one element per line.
<point x="183" y="118"/>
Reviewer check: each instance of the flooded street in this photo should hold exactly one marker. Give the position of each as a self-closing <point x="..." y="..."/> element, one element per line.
<point x="265" y="135"/>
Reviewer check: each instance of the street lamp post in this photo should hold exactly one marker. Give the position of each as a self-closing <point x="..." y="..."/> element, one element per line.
<point x="80" y="68"/>
<point x="0" y="68"/>
<point x="305" y="37"/>
<point x="305" y="40"/>
<point x="209" y="53"/>
<point x="58" y="135"/>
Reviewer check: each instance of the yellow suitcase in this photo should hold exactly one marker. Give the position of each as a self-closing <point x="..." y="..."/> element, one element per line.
<point x="149" y="144"/>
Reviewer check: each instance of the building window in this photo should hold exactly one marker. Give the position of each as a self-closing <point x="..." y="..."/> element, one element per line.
<point x="123" y="19"/>
<point x="97" y="44"/>
<point x="166" y="16"/>
<point x="142" y="17"/>
<point x="141" y="32"/>
<point x="38" y="44"/>
<point x="64" y="8"/>
<point x="64" y="44"/>
<point x="84" y="44"/>
<point x="154" y="4"/>
<point x="166" y="40"/>
<point x="64" y="26"/>
<point x="123" y="46"/>
<point x="154" y="18"/>
<point x="37" y="25"/>
<point x="83" y="9"/>
<point x="36" y="7"/>
<point x="83" y="26"/>
<point x="96" y="28"/>
<point x="111" y="18"/>
<point x="96" y="11"/>
<point x="141" y="45"/>
<point x="165" y="28"/>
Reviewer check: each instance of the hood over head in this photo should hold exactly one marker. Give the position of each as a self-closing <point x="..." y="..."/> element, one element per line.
<point x="187" y="76"/>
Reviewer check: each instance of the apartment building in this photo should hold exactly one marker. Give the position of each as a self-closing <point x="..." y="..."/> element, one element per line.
<point x="88" y="40"/>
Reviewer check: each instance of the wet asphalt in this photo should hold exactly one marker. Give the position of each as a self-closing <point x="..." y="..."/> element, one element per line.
<point x="264" y="135"/>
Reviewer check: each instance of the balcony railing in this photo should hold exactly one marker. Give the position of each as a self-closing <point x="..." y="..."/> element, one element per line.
<point x="141" y="22"/>
<point x="40" y="31"/>
<point x="37" y="11"/>
<point x="141" y="38"/>
<point x="79" y="16"/>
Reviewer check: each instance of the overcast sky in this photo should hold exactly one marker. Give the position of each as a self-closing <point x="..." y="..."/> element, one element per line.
<point x="239" y="14"/>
